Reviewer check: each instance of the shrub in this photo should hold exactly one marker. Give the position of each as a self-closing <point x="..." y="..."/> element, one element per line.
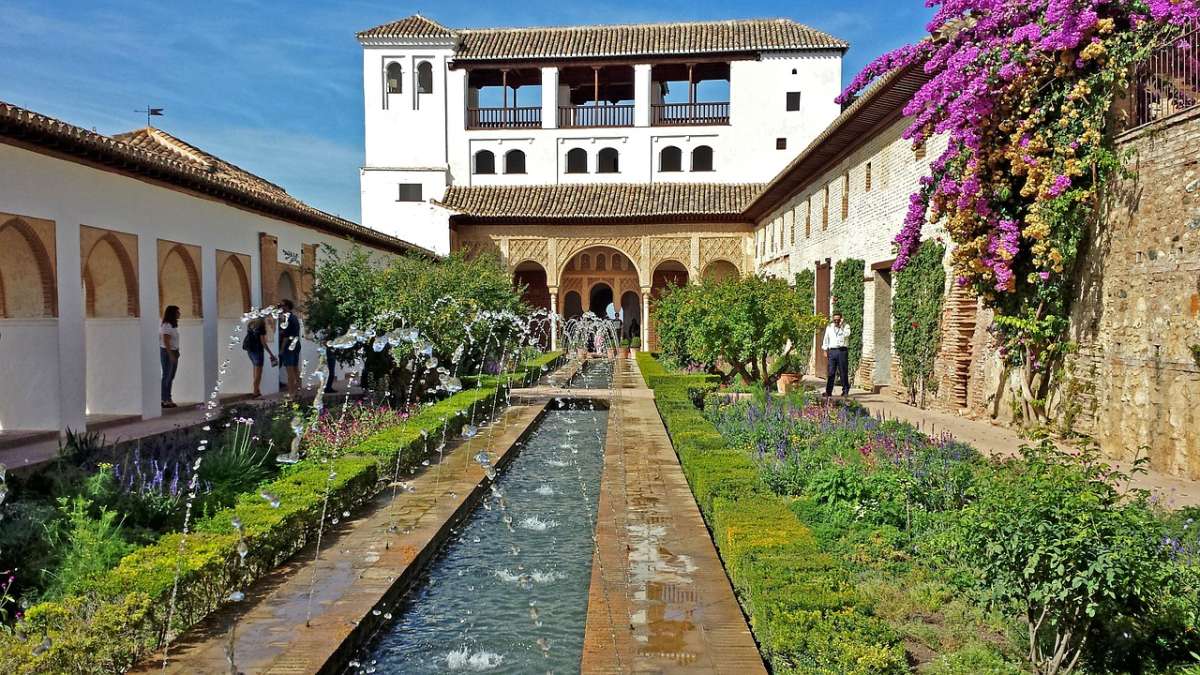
<point x="742" y="324"/>
<point x="1052" y="536"/>
<point x="83" y="547"/>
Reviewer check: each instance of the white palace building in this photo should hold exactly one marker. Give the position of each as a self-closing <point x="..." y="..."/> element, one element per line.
<point x="704" y="102"/>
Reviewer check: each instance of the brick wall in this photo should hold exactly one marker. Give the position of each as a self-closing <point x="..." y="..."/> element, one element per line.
<point x="1134" y="382"/>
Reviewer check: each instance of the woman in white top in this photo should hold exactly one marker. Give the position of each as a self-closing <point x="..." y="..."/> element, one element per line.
<point x="168" y="351"/>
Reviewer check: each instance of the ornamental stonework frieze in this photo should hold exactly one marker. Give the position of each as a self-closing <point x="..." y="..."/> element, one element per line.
<point x="729" y="249"/>
<point x="678" y="249"/>
<point x="537" y="250"/>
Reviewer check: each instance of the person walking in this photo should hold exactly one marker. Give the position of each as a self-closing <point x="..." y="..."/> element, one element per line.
<point x="289" y="346"/>
<point x="837" y="352"/>
<point x="255" y="344"/>
<point x="168" y="352"/>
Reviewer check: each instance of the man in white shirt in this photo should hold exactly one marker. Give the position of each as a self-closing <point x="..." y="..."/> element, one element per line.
<point x="836" y="345"/>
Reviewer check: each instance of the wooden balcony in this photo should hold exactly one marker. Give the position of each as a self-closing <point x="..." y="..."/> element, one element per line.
<point x="570" y="116"/>
<point x="504" y="118"/>
<point x="689" y="114"/>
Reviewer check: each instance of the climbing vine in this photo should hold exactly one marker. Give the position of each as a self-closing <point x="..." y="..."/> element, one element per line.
<point x="917" y="315"/>
<point x="806" y="293"/>
<point x="1022" y="90"/>
<point x="848" y="299"/>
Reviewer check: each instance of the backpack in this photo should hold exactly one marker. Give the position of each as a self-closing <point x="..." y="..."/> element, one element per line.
<point x="251" y="341"/>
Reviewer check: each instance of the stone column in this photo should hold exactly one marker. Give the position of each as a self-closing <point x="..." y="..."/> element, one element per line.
<point x="645" y="318"/>
<point x="215" y="345"/>
<point x="550" y="97"/>
<point x="641" y="95"/>
<point x="72" y="340"/>
<point x="553" y="318"/>
<point x="268" y="260"/>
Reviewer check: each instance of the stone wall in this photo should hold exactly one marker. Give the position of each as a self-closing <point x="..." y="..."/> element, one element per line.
<point x="1134" y="384"/>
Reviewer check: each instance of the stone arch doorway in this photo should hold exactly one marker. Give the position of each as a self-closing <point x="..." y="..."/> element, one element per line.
<point x="599" y="298"/>
<point x="720" y="270"/>
<point x="667" y="274"/>
<point x="631" y="322"/>
<point x="532" y="277"/>
<point x="572" y="305"/>
<point x="112" y="334"/>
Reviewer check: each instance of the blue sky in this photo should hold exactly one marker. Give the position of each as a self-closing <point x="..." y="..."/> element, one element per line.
<point x="275" y="87"/>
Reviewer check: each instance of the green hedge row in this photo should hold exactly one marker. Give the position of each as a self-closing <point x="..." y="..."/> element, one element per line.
<point x="123" y="615"/>
<point x="656" y="374"/>
<point x="803" y="607"/>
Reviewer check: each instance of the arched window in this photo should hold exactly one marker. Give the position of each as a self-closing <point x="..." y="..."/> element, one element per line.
<point x="514" y="161"/>
<point x="485" y="162"/>
<point x="702" y="158"/>
<point x="606" y="161"/>
<point x="577" y="160"/>
<point x="670" y="159"/>
<point x="395" y="78"/>
<point x="424" y="77"/>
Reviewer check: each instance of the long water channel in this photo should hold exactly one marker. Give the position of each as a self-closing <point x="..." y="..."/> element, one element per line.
<point x="508" y="591"/>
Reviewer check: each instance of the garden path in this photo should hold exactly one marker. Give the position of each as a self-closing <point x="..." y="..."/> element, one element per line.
<point x="659" y="600"/>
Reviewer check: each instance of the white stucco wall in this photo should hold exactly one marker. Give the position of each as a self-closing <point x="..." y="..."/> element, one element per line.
<point x="413" y="138"/>
<point x="782" y="248"/>
<point x="113" y="371"/>
<point x="29" y="371"/>
<point x="61" y="359"/>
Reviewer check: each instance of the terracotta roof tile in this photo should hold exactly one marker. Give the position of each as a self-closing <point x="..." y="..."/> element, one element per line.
<point x="652" y="39"/>
<point x="602" y="201"/>
<point x="156" y="154"/>
<point x="415" y="26"/>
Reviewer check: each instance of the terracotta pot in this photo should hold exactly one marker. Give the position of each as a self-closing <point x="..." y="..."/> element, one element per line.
<point x="623" y="352"/>
<point x="787" y="382"/>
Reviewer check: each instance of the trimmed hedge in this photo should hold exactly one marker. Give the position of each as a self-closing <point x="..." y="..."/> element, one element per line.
<point x="122" y="616"/>
<point x="803" y="607"/>
<point x="656" y="374"/>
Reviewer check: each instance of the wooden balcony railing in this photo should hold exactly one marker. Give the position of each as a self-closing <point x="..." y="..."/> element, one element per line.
<point x="504" y="118"/>
<point x="1168" y="81"/>
<point x="595" y="116"/>
<point x="683" y="114"/>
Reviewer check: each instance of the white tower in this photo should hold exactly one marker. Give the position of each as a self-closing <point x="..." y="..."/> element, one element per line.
<point x="406" y="99"/>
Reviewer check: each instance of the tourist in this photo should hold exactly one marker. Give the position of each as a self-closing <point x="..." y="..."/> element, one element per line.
<point x="255" y="344"/>
<point x="168" y="352"/>
<point x="289" y="346"/>
<point x="836" y="345"/>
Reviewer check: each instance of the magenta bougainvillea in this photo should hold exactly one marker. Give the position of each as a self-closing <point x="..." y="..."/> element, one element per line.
<point x="1022" y="92"/>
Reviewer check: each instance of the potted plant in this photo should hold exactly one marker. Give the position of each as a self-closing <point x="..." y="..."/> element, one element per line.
<point x="791" y="370"/>
<point x="634" y="345"/>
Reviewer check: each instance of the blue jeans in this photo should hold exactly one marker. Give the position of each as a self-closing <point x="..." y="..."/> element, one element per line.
<point x="168" y="372"/>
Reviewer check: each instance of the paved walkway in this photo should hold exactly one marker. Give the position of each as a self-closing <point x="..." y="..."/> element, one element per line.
<point x="659" y="599"/>
<point x="362" y="569"/>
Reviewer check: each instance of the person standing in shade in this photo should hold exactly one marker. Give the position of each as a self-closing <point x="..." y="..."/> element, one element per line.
<point x="289" y="346"/>
<point x="168" y="352"/>
<point x="837" y="352"/>
<point x="255" y="344"/>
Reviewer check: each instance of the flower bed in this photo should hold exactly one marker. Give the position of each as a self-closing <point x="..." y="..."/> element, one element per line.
<point x="863" y="546"/>
<point x="122" y="615"/>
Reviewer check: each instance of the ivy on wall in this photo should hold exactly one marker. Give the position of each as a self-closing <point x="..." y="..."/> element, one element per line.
<point x="806" y="290"/>
<point x="848" y="299"/>
<point x="917" y="315"/>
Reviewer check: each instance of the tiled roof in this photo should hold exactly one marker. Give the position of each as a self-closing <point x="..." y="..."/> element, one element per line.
<point x="156" y="154"/>
<point x="415" y="26"/>
<point x="648" y="39"/>
<point x="602" y="201"/>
